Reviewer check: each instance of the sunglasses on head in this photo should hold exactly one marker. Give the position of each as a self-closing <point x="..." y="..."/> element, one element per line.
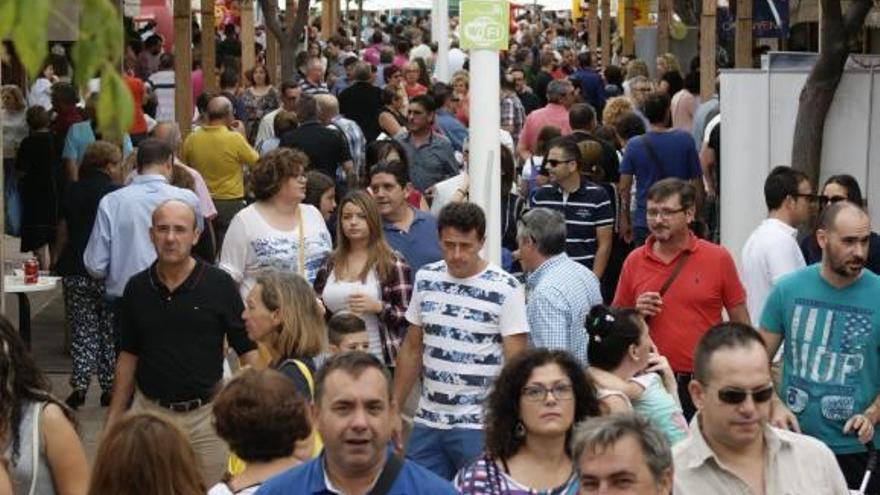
<point x="736" y="396"/>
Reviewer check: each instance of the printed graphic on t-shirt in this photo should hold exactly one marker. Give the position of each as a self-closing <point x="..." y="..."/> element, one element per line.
<point x="829" y="343"/>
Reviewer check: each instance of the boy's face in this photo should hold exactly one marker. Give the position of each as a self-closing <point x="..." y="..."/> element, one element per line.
<point x="357" y="341"/>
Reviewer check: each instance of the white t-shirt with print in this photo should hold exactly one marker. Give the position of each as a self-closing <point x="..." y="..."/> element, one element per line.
<point x="252" y="245"/>
<point x="463" y="323"/>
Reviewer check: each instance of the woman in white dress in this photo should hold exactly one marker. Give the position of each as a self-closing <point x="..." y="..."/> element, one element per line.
<point x="278" y="230"/>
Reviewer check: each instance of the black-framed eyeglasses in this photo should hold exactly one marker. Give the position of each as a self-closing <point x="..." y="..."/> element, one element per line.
<point x="734" y="396"/>
<point x="553" y="163"/>
<point x="663" y="212"/>
<point x="538" y="393"/>
<point x="825" y="200"/>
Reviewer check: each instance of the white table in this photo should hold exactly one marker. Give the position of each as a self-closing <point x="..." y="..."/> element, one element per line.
<point x="15" y="285"/>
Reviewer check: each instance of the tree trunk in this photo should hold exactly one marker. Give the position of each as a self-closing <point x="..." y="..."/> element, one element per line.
<point x="818" y="92"/>
<point x="287" y="32"/>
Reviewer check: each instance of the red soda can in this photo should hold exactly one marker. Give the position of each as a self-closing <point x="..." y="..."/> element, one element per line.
<point x="31" y="271"/>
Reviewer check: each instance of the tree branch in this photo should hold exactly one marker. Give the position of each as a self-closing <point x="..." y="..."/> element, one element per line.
<point x="855" y="16"/>
<point x="270" y="13"/>
<point x="302" y="18"/>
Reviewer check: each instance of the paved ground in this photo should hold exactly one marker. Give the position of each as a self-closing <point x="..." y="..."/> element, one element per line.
<point x="49" y="349"/>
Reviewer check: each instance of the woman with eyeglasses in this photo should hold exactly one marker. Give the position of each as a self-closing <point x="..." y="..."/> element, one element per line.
<point x="630" y="374"/>
<point x="279" y="230"/>
<point x="838" y="188"/>
<point x="537" y="399"/>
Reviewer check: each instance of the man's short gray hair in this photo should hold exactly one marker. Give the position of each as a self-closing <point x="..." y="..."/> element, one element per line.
<point x="556" y="89"/>
<point x="598" y="434"/>
<point x="546" y="228"/>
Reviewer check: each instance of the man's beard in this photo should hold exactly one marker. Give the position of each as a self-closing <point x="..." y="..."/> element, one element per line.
<point x="839" y="265"/>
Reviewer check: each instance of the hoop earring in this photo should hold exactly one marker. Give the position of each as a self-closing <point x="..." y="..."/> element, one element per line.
<point x="520" y="430"/>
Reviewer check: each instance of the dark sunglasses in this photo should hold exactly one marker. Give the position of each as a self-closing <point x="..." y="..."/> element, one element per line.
<point x="551" y="163"/>
<point x="824" y="200"/>
<point x="736" y="396"/>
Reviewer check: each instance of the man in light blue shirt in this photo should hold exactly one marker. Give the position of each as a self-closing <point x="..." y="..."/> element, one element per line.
<point x="560" y="291"/>
<point x="120" y="244"/>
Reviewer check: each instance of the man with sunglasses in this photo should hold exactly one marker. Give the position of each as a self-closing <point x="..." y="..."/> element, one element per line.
<point x="772" y="249"/>
<point x="828" y="316"/>
<point x="732" y="448"/>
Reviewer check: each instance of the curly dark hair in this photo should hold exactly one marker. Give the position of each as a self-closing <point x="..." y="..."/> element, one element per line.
<point x="20" y="381"/>
<point x="269" y="173"/>
<point x="261" y="415"/>
<point x="502" y="405"/>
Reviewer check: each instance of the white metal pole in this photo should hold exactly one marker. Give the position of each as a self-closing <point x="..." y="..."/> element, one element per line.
<point x="440" y="34"/>
<point x="485" y="146"/>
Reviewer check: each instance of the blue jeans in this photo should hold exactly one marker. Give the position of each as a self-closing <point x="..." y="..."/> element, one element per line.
<point x="444" y="452"/>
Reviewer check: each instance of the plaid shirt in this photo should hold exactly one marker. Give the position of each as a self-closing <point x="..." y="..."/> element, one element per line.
<point x="513" y="114"/>
<point x="396" y="293"/>
<point x="560" y="294"/>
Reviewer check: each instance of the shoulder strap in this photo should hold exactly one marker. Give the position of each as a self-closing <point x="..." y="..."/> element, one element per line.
<point x="656" y="159"/>
<point x="679" y="265"/>
<point x="35" y="448"/>
<point x="389" y="474"/>
<point x="304" y="370"/>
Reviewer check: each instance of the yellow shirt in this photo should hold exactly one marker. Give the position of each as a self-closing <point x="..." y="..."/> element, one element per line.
<point x="218" y="154"/>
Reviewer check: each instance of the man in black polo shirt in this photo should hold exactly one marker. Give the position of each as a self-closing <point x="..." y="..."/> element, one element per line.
<point x="326" y="148"/>
<point x="589" y="218"/>
<point x="174" y="318"/>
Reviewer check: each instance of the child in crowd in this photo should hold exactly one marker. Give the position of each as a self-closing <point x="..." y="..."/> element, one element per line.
<point x="346" y="332"/>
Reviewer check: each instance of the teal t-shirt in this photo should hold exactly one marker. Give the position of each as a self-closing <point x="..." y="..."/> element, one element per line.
<point x="660" y="407"/>
<point x="831" y="369"/>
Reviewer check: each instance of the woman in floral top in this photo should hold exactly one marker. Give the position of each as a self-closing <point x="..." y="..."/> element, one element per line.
<point x="537" y="399"/>
<point x="259" y="99"/>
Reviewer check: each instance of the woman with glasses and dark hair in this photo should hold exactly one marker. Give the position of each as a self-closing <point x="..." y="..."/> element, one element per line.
<point x="843" y="187"/>
<point x="630" y="374"/>
<point x="530" y="414"/>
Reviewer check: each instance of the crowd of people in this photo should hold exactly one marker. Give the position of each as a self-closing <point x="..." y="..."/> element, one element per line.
<point x="292" y="298"/>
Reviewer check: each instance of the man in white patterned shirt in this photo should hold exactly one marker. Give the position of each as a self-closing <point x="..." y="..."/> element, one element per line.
<point x="561" y="291"/>
<point x="467" y="318"/>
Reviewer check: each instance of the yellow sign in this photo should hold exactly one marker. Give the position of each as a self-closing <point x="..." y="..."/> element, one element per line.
<point x="485" y="24"/>
<point x="641" y="10"/>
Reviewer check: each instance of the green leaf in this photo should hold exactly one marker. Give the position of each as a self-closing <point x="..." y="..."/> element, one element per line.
<point x="30" y="35"/>
<point x="8" y="10"/>
<point x="115" y="104"/>
<point x="87" y="58"/>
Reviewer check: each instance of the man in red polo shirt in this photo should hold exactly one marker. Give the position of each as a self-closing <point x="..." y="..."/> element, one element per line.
<point x="678" y="282"/>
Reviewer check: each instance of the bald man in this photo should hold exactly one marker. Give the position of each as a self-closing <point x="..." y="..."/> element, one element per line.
<point x="218" y="150"/>
<point x="174" y="318"/>
<point x="827" y="313"/>
<point x="170" y="133"/>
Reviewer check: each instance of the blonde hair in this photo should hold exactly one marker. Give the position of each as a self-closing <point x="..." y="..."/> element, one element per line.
<point x="15" y="92"/>
<point x="672" y="64"/>
<point x="165" y="463"/>
<point x="636" y="67"/>
<point x="614" y="109"/>
<point x="302" y="331"/>
<point x="460" y="76"/>
<point x="380" y="256"/>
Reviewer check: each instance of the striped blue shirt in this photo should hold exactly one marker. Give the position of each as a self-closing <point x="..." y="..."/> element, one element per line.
<point x="585" y="210"/>
<point x="463" y="323"/>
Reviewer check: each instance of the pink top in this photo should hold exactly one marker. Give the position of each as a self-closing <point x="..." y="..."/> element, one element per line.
<point x="198" y="82"/>
<point x="684" y="103"/>
<point x="371" y="53"/>
<point x="553" y="114"/>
